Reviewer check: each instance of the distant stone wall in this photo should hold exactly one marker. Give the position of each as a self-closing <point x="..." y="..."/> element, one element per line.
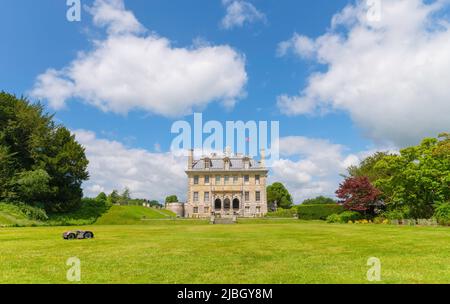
<point x="177" y="208"/>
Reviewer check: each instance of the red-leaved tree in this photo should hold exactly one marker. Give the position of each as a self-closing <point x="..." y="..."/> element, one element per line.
<point x="358" y="194"/>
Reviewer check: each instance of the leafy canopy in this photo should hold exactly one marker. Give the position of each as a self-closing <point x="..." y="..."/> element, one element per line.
<point x="279" y="194"/>
<point x="172" y="199"/>
<point x="358" y="194"/>
<point x="417" y="179"/>
<point x="319" y="200"/>
<point x="41" y="163"/>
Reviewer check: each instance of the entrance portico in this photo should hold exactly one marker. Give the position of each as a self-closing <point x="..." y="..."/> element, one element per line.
<point x="227" y="204"/>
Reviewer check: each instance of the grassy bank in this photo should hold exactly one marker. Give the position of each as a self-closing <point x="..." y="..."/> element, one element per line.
<point x="91" y="211"/>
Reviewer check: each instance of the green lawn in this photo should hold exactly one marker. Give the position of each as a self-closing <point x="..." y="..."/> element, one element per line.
<point x="262" y="251"/>
<point x="127" y="215"/>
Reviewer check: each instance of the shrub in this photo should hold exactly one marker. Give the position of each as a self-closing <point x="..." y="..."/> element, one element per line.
<point x="442" y="214"/>
<point x="318" y="212"/>
<point x="349" y="216"/>
<point x="334" y="218"/>
<point x="30" y="212"/>
<point x="283" y="213"/>
<point x="395" y="214"/>
<point x="33" y="213"/>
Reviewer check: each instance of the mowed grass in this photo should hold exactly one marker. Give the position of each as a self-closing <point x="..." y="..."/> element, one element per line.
<point x="261" y="251"/>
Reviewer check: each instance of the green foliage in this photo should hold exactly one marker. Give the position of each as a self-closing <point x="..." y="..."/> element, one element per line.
<point x="347" y="216"/>
<point x="287" y="213"/>
<point x="442" y="214"/>
<point x="419" y="178"/>
<point x="318" y="212"/>
<point x="32" y="186"/>
<point x="333" y="218"/>
<point x="154" y="203"/>
<point x="125" y="196"/>
<point x="114" y="197"/>
<point x="102" y="196"/>
<point x="40" y="162"/>
<point x="367" y="168"/>
<point x="396" y="214"/>
<point x="344" y="217"/>
<point x="279" y="194"/>
<point x="172" y="199"/>
<point x="23" y="210"/>
<point x="319" y="200"/>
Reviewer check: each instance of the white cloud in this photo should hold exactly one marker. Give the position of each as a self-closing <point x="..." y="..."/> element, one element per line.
<point x="300" y="45"/>
<point x="130" y="70"/>
<point x="240" y="12"/>
<point x="114" y="166"/>
<point x="310" y="167"/>
<point x="113" y="15"/>
<point x="390" y="75"/>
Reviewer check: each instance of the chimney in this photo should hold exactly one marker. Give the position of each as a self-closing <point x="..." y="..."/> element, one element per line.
<point x="190" y="159"/>
<point x="263" y="158"/>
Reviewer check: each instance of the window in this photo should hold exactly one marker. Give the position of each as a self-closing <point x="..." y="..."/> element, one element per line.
<point x="257" y="179"/>
<point x="195" y="196"/>
<point x="258" y="196"/>
<point x="207" y="163"/>
<point x="235" y="179"/>
<point x="206" y="210"/>
<point x="206" y="197"/>
<point x="246" y="196"/>
<point x="195" y="209"/>
<point x="246" y="179"/>
<point x="247" y="209"/>
<point x="226" y="179"/>
<point x="258" y="209"/>
<point x="196" y="180"/>
<point x="217" y="179"/>
<point x="207" y="179"/>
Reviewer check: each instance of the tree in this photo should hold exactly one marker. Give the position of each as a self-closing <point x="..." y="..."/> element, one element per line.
<point x="114" y="197"/>
<point x="172" y="199"/>
<point x="319" y="200"/>
<point x="368" y="168"/>
<point x="32" y="186"/>
<point x="358" y="194"/>
<point x="33" y="147"/>
<point x="279" y="194"/>
<point x="419" y="177"/>
<point x="102" y="197"/>
<point x="125" y="197"/>
<point x="154" y="203"/>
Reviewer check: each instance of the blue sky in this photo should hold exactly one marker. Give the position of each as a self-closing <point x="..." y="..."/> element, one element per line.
<point x="334" y="112"/>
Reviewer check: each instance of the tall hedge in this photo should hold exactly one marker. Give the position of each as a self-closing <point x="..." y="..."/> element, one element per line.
<point x="318" y="212"/>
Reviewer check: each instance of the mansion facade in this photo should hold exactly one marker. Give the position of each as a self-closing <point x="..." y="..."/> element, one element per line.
<point x="227" y="185"/>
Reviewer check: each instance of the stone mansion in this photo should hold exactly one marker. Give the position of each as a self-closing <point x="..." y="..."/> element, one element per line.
<point x="226" y="185"/>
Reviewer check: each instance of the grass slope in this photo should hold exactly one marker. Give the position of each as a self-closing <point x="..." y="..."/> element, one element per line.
<point x="8" y="219"/>
<point x="285" y="251"/>
<point x="130" y="215"/>
<point x="11" y="215"/>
